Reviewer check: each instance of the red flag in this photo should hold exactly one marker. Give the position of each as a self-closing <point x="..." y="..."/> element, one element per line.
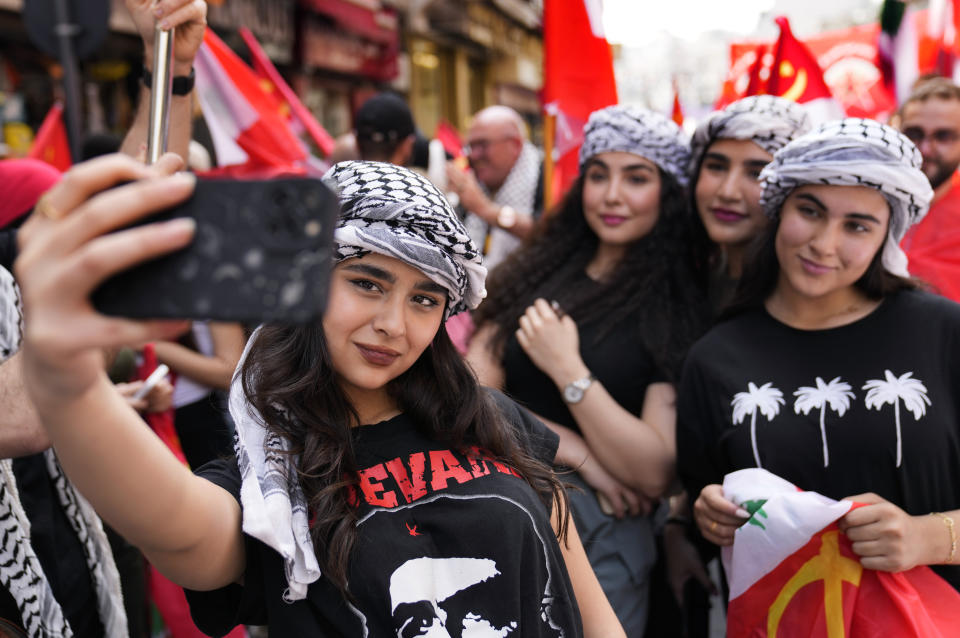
<point x="793" y="574"/>
<point x="160" y="422"/>
<point x="759" y="74"/>
<point x="796" y="75"/>
<point x="274" y="81"/>
<point x="450" y="138"/>
<point x="677" y="113"/>
<point x="245" y="121"/>
<point x="577" y="76"/>
<point x="51" y="144"/>
<point x="933" y="245"/>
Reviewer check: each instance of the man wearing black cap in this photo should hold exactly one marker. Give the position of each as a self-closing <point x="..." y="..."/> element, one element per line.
<point x="384" y="130"/>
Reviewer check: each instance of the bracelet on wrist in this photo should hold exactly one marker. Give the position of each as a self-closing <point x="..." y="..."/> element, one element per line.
<point x="182" y="84"/>
<point x="948" y="521"/>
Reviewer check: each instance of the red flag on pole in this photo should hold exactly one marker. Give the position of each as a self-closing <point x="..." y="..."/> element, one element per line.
<point x="450" y="138"/>
<point x="249" y="132"/>
<point x="51" y="144"/>
<point x="796" y="76"/>
<point x="298" y="112"/>
<point x="577" y="79"/>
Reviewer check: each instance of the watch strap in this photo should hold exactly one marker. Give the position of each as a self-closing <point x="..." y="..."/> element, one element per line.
<point x="182" y="84"/>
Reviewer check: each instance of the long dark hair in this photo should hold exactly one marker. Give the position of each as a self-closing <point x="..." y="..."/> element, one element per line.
<point x="289" y="379"/>
<point x="761" y="271"/>
<point x="656" y="284"/>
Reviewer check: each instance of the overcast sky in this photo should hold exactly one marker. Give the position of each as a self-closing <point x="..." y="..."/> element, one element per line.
<point x="637" y="23"/>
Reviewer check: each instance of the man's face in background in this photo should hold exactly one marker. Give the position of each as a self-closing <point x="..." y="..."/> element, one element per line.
<point x="934" y="126"/>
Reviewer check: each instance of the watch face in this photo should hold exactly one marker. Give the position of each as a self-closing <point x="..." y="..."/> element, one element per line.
<point x="572" y="394"/>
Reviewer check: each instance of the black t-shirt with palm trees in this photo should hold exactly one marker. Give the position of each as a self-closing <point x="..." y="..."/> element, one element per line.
<point x="872" y="406"/>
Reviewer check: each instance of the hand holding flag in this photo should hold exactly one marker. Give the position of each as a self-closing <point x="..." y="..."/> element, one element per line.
<point x="794" y="573"/>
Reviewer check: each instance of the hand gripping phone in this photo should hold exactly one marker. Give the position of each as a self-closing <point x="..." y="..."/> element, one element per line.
<point x="262" y="251"/>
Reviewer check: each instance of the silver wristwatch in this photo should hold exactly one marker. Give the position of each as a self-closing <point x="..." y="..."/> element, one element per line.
<point x="573" y="392"/>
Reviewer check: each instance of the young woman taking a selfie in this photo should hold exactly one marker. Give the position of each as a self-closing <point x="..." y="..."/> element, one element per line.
<point x="375" y="483"/>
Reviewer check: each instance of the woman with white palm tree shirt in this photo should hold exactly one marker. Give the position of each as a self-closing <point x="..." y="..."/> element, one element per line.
<point x="833" y="370"/>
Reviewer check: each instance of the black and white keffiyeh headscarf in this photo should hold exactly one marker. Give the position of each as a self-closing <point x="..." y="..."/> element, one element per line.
<point x="393" y="211"/>
<point x="855" y="152"/>
<point x="387" y="210"/>
<point x="766" y="120"/>
<point x="634" y="129"/>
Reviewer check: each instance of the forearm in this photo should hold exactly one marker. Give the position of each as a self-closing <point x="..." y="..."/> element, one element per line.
<point x="634" y="450"/>
<point x="178" y="135"/>
<point x="140" y="488"/>
<point x="181" y="118"/>
<point x="211" y="371"/>
<point x="572" y="450"/>
<point x="21" y="432"/>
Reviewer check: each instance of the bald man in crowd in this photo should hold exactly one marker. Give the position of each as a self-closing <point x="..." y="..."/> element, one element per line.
<point x="501" y="193"/>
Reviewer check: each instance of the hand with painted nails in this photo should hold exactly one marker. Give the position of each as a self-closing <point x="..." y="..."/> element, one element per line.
<point x="188" y="17"/>
<point x="552" y="341"/>
<point x="717" y="517"/>
<point x="64" y="259"/>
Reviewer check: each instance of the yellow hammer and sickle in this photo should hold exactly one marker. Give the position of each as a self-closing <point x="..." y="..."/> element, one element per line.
<point x="833" y="569"/>
<point x="799" y="86"/>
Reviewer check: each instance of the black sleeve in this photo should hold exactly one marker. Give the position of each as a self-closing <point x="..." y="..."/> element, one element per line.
<point x="539" y="441"/>
<point x="8" y="248"/>
<point x="698" y="452"/>
<point x="217" y="612"/>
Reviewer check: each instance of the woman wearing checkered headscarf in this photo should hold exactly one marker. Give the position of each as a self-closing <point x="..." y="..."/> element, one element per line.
<point x="728" y="151"/>
<point x="374" y="478"/>
<point x="833" y="369"/>
<point x="587" y="325"/>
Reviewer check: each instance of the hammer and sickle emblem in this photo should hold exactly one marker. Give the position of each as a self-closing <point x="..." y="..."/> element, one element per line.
<point x="799" y="85"/>
<point x="833" y="569"/>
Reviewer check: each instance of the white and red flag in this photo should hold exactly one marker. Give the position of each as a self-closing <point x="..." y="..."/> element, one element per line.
<point x="250" y="133"/>
<point x="577" y="76"/>
<point x="793" y="574"/>
<point x="796" y="75"/>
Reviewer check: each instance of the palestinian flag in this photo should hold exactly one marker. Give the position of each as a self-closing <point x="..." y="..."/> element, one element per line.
<point x="792" y="573"/>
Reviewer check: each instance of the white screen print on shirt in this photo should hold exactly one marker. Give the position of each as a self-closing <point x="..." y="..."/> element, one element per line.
<point x="834" y="396"/>
<point x="453" y="549"/>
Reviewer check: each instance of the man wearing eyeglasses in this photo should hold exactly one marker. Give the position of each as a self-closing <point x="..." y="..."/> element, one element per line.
<point x="501" y="192"/>
<point x="930" y="117"/>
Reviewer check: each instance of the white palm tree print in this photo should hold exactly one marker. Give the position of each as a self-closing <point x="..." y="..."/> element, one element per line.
<point x="766" y="399"/>
<point x="894" y="389"/>
<point x="836" y="395"/>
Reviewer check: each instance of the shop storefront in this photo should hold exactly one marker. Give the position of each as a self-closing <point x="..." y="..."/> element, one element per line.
<point x="350" y="49"/>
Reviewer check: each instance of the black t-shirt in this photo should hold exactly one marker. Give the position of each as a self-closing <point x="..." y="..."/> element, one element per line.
<point x="619" y="361"/>
<point x="446" y="541"/>
<point x="57" y="548"/>
<point x="828" y="409"/>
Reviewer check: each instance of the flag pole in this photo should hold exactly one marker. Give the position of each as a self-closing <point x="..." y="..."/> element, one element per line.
<point x="549" y="141"/>
<point x="160" y="94"/>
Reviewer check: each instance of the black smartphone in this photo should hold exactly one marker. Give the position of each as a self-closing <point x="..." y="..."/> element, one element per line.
<point x="262" y="251"/>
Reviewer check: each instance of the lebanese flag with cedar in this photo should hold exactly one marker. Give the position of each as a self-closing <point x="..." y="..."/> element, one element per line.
<point x="796" y="75"/>
<point x="51" y="144"/>
<point x="577" y="77"/>
<point x="792" y="573"/>
<point x="249" y="132"/>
